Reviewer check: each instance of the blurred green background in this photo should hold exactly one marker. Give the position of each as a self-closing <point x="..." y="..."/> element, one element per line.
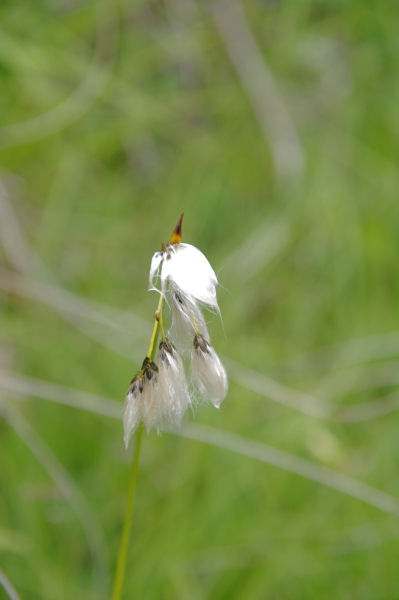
<point x="274" y="127"/>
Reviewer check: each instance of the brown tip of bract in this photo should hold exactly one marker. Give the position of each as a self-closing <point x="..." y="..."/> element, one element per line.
<point x="176" y="235"/>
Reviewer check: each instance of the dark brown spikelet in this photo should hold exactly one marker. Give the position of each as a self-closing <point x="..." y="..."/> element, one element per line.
<point x="177" y="235"/>
<point x="201" y="344"/>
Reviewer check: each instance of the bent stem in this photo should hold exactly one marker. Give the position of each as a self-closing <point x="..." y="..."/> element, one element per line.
<point x="127" y="521"/>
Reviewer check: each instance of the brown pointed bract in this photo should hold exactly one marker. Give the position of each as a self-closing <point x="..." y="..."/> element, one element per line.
<point x="176" y="235"/>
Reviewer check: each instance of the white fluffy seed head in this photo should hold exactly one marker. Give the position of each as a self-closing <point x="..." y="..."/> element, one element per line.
<point x="208" y="373"/>
<point x="151" y="408"/>
<point x="132" y="411"/>
<point x="158" y="395"/>
<point x="173" y="387"/>
<point x="154" y="268"/>
<point x="185" y="268"/>
<point x="141" y="402"/>
<point x="187" y="319"/>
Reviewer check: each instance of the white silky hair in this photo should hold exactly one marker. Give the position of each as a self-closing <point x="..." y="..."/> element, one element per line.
<point x="132" y="413"/>
<point x="159" y="394"/>
<point x="152" y="405"/>
<point x="187" y="319"/>
<point x="186" y="269"/>
<point x="173" y="388"/>
<point x="207" y="371"/>
<point x="156" y="262"/>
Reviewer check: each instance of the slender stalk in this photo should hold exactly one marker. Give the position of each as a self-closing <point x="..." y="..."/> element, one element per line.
<point x="161" y="323"/>
<point x="155" y="331"/>
<point x="127" y="521"/>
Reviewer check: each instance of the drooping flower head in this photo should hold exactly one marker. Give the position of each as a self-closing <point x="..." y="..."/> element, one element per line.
<point x="172" y="384"/>
<point x="141" y="398"/>
<point x="208" y="373"/>
<point x="159" y="394"/>
<point x="185" y="270"/>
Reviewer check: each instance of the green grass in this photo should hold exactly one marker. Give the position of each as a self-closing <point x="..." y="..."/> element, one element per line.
<point x="167" y="126"/>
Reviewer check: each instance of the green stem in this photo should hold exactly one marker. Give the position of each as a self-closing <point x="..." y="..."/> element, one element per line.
<point x="155" y="331"/>
<point x="127" y="521"/>
<point x="161" y="324"/>
<point x="124" y="544"/>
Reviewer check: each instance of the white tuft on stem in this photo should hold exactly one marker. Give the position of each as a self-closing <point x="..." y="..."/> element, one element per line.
<point x="208" y="373"/>
<point x="173" y="387"/>
<point x="187" y="270"/>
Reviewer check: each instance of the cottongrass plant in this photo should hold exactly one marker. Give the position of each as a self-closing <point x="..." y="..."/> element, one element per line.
<point x="159" y="394"/>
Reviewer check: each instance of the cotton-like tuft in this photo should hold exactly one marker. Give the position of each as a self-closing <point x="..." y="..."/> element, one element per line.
<point x="132" y="413"/>
<point x="187" y="319"/>
<point x="186" y="269"/>
<point x="173" y="387"/>
<point x="159" y="395"/>
<point x="208" y="373"/>
<point x="142" y="400"/>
